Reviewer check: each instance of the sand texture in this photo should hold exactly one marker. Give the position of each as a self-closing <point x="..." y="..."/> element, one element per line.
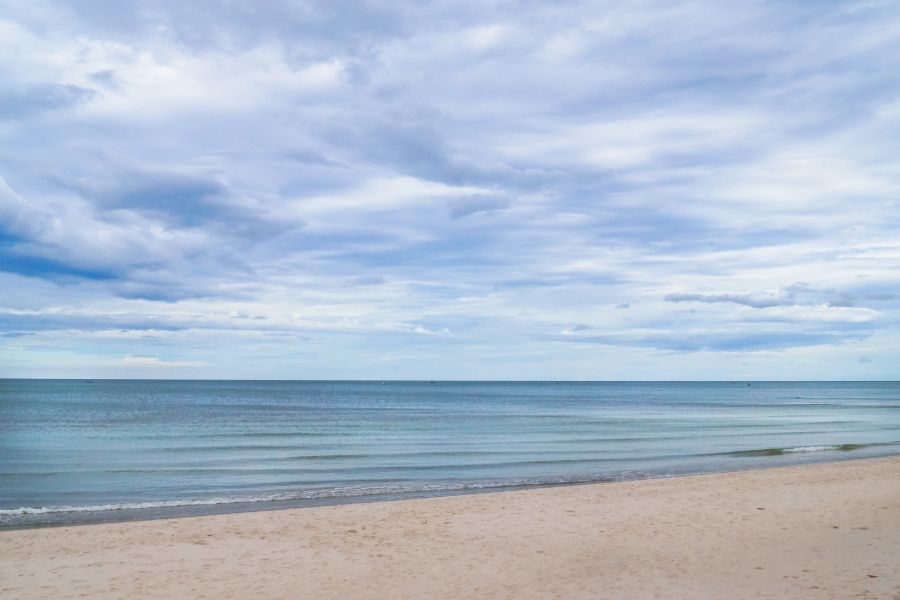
<point x="817" y="531"/>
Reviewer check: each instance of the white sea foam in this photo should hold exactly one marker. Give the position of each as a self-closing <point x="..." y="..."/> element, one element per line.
<point x="339" y="492"/>
<point x="811" y="449"/>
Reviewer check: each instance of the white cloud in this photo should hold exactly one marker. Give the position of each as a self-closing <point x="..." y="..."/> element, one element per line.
<point x="317" y="190"/>
<point x="152" y="361"/>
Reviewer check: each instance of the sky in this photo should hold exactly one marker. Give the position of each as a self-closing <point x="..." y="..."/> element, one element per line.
<point x="450" y="190"/>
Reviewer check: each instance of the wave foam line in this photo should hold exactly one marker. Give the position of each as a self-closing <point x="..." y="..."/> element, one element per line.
<point x="799" y="450"/>
<point x="340" y="492"/>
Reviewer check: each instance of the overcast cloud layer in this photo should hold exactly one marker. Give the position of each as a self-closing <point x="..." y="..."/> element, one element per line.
<point x="525" y="190"/>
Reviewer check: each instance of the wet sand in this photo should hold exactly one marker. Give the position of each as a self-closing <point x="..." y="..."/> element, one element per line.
<point x="815" y="531"/>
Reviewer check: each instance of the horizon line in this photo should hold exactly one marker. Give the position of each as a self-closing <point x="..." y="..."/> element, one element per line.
<point x="454" y="380"/>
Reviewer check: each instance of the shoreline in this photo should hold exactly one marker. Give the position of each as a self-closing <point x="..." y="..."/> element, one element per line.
<point x="187" y="510"/>
<point x="824" y="530"/>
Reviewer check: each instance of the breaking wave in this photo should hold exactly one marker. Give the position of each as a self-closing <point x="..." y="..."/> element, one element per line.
<point x="798" y="449"/>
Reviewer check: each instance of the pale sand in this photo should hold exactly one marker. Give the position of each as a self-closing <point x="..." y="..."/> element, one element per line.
<point x="819" y="531"/>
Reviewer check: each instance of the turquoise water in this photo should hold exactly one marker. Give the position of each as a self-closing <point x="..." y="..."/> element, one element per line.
<point x="78" y="451"/>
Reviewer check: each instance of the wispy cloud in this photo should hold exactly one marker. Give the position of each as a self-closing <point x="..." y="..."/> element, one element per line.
<point x="154" y="362"/>
<point x="437" y="190"/>
<point x="743" y="299"/>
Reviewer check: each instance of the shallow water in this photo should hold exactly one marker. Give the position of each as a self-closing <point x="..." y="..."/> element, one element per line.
<point x="78" y="451"/>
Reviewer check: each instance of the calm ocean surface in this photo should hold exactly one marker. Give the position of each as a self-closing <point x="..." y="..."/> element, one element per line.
<point x="81" y="451"/>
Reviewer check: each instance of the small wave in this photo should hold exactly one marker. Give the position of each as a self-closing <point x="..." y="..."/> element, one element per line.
<point x="337" y="492"/>
<point x="243" y="435"/>
<point x="320" y="464"/>
<point x="798" y="450"/>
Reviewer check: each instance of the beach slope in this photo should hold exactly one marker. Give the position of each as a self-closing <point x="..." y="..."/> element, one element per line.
<point x="815" y="531"/>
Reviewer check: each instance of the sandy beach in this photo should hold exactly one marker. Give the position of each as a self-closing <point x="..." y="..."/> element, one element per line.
<point x="816" y="531"/>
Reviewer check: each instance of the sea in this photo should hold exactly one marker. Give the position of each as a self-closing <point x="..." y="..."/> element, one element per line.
<point x="81" y="451"/>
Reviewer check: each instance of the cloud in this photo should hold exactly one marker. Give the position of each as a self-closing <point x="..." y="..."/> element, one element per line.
<point x="30" y="99"/>
<point x="152" y="361"/>
<point x="793" y="295"/>
<point x="742" y="299"/>
<point x="463" y="207"/>
<point x="723" y="341"/>
<point x="433" y="188"/>
<point x="576" y="329"/>
<point x="80" y="235"/>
